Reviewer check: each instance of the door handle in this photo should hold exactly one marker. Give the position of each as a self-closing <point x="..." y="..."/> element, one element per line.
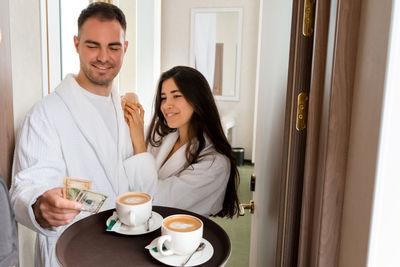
<point x="243" y="207"/>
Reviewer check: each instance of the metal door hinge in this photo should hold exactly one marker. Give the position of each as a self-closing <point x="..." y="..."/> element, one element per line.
<point x="308" y="17"/>
<point x="302" y="107"/>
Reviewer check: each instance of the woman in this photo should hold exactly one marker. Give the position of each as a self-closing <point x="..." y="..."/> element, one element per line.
<point x="193" y="159"/>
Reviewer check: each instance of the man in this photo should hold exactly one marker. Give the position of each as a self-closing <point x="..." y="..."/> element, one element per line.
<point x="77" y="131"/>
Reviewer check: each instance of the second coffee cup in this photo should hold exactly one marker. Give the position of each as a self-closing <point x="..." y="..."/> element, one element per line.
<point x="134" y="208"/>
<point x="181" y="234"/>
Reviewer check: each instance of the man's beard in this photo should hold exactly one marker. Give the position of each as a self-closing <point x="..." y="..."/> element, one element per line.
<point x="98" y="79"/>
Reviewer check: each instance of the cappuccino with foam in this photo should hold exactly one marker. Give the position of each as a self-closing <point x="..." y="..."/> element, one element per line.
<point x="182" y="223"/>
<point x="134" y="198"/>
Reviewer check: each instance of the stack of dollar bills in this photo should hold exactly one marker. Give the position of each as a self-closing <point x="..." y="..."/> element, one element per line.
<point x="80" y="190"/>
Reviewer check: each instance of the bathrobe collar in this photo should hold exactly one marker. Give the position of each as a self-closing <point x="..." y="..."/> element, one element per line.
<point x="93" y="127"/>
<point x="177" y="161"/>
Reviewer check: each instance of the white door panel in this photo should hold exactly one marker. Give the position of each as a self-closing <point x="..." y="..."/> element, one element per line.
<point x="275" y="26"/>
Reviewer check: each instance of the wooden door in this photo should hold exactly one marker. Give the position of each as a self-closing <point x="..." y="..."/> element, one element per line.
<point x="280" y="139"/>
<point x="272" y="78"/>
<point x="298" y="204"/>
<point x="6" y="96"/>
<point x="334" y="62"/>
<point x="295" y="132"/>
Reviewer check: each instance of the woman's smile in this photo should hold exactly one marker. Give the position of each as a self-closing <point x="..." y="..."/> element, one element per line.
<point x="176" y="110"/>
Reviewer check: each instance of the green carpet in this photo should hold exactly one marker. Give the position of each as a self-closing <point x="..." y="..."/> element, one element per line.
<point x="238" y="228"/>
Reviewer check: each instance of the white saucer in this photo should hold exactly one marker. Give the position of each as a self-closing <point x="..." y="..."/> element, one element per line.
<point x="176" y="260"/>
<point x="155" y="223"/>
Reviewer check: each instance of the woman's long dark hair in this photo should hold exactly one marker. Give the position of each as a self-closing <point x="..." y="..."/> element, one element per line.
<point x="205" y="120"/>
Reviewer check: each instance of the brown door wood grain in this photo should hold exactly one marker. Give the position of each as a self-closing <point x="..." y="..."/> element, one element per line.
<point x="299" y="76"/>
<point x="331" y="93"/>
<point x="314" y="162"/>
<point x="6" y="96"/>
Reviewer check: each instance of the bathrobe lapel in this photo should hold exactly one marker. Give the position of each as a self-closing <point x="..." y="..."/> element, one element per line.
<point x="175" y="163"/>
<point x="178" y="160"/>
<point x="93" y="127"/>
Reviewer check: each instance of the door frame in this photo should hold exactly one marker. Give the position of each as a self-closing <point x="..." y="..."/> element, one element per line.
<point x="330" y="101"/>
<point x="6" y="96"/>
<point x="331" y="97"/>
<point x="295" y="135"/>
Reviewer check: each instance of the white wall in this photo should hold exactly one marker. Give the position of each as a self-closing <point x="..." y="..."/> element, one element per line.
<point x="25" y="56"/>
<point x="127" y="77"/>
<point x="27" y="84"/>
<point x="175" y="43"/>
<point x="364" y="134"/>
<point x="147" y="52"/>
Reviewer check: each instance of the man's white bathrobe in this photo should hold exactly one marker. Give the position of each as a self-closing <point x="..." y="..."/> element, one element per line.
<point x="63" y="135"/>
<point x="199" y="188"/>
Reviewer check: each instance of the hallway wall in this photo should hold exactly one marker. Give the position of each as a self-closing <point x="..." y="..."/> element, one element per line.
<point x="175" y="50"/>
<point x="25" y="38"/>
<point x="26" y="56"/>
<point x="6" y="96"/>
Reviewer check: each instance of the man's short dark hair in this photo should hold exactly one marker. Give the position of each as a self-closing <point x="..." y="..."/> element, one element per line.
<point x="103" y="12"/>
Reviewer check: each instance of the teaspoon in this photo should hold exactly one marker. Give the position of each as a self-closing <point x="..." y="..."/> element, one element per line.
<point x="199" y="248"/>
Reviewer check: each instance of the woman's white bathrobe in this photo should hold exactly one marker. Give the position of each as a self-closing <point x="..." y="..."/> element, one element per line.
<point x="63" y="135"/>
<point x="199" y="188"/>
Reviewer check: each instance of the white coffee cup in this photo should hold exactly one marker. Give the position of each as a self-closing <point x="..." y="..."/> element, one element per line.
<point x="134" y="208"/>
<point x="181" y="234"/>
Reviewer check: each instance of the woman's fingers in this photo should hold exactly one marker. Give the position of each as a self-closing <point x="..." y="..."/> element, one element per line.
<point x="132" y="110"/>
<point x="123" y="103"/>
<point x="136" y="107"/>
<point x="126" y="117"/>
<point x="136" y="113"/>
<point x="129" y="118"/>
<point x="141" y="112"/>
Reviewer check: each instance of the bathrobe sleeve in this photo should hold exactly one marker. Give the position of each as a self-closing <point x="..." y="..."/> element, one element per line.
<point x="199" y="188"/>
<point x="38" y="166"/>
<point x="141" y="172"/>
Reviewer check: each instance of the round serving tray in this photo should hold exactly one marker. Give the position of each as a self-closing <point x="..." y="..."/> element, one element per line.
<point x="87" y="243"/>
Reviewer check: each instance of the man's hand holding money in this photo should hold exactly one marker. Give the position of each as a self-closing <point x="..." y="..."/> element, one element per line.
<point x="79" y="190"/>
<point x="59" y="206"/>
<point x="51" y="209"/>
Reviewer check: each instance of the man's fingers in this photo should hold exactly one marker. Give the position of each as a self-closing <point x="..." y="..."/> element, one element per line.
<point x="54" y="198"/>
<point x="61" y="216"/>
<point x="62" y="203"/>
<point x="51" y="209"/>
<point x="57" y="219"/>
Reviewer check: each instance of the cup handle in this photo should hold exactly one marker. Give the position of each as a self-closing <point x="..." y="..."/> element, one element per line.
<point x="132" y="218"/>
<point x="160" y="244"/>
